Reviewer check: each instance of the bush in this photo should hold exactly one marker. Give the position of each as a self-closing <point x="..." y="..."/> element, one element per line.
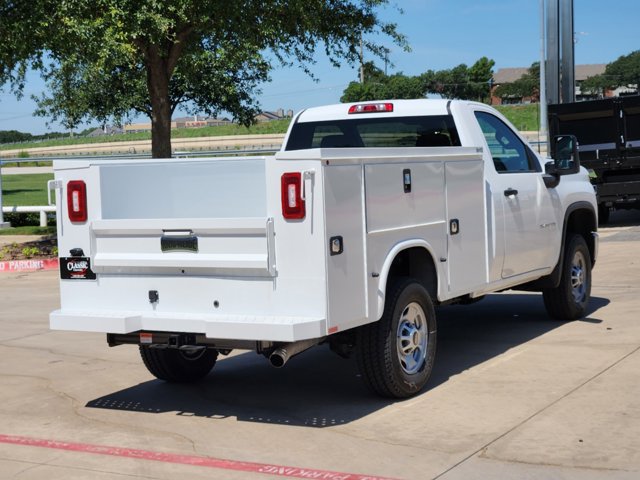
<point x="22" y="219"/>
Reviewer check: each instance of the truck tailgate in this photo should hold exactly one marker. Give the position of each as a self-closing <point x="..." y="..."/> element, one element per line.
<point x="182" y="218"/>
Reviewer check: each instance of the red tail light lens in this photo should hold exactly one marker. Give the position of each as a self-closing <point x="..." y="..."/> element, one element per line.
<point x="293" y="206"/>
<point x="77" y="201"/>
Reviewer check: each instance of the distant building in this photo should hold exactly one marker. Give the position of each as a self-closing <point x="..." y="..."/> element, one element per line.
<point x="277" y="115"/>
<point x="107" y="130"/>
<point x="509" y="75"/>
<point x="195" y="121"/>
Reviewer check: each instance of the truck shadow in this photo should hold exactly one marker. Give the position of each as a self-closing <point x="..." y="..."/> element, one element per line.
<point x="319" y="389"/>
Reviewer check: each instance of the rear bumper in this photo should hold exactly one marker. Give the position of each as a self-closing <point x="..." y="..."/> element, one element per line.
<point x="227" y="327"/>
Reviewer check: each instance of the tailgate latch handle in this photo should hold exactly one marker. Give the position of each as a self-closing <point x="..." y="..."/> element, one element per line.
<point x="53" y="185"/>
<point x="307" y="175"/>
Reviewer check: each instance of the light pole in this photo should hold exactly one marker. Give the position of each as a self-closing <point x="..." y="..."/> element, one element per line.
<point x="543" y="75"/>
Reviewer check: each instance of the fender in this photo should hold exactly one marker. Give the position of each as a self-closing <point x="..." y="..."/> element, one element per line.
<point x="553" y="279"/>
<point x="386" y="267"/>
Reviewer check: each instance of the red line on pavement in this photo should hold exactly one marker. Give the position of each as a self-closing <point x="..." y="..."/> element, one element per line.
<point x="210" y="462"/>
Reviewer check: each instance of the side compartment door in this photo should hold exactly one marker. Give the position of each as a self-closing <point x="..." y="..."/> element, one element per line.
<point x="529" y="224"/>
<point x="467" y="238"/>
<point x="346" y="267"/>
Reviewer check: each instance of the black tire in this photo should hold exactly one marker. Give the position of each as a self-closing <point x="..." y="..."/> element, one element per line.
<point x="569" y="300"/>
<point x="603" y="214"/>
<point x="396" y="354"/>
<point x="179" y="366"/>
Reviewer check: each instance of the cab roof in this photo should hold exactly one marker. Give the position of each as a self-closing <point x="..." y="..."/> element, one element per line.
<point x="401" y="108"/>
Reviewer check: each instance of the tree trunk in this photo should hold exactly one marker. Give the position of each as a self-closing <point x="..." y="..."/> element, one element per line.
<point x="161" y="129"/>
<point x="158" y="83"/>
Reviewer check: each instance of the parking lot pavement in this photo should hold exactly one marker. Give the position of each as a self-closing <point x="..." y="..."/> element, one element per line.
<point x="513" y="395"/>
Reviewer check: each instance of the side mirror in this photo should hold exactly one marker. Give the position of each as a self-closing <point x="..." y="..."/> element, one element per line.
<point x="564" y="151"/>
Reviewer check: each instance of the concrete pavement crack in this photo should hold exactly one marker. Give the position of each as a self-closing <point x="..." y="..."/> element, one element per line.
<point x="535" y="414"/>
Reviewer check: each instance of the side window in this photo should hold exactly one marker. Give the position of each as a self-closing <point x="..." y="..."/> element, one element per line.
<point x="509" y="154"/>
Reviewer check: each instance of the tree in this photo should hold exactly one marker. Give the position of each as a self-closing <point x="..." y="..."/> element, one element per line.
<point x="13" y="136"/>
<point x="480" y="76"/>
<point x="623" y="72"/>
<point x="459" y="82"/>
<point x="526" y="86"/>
<point x="378" y="86"/>
<point x="106" y="59"/>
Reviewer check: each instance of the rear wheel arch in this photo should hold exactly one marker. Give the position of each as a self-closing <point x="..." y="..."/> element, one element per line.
<point x="413" y="259"/>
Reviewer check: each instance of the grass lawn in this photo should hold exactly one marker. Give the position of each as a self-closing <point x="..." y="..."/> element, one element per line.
<point x="28" y="230"/>
<point x="29" y="189"/>
<point x="276" y="126"/>
<point x="523" y="117"/>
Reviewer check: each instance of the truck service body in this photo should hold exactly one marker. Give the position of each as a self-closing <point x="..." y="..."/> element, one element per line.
<point x="369" y="215"/>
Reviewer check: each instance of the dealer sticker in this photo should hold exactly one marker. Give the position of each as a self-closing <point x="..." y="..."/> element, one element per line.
<point x="76" y="268"/>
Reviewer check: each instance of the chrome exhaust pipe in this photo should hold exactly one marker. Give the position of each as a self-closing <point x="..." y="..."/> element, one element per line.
<point x="282" y="354"/>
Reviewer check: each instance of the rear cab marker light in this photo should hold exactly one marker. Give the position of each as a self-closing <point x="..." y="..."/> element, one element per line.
<point x="371" y="108"/>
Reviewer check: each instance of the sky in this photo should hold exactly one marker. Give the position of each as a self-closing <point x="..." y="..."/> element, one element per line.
<point x="441" y="33"/>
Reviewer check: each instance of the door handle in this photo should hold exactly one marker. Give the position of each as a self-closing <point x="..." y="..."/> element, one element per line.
<point x="510" y="191"/>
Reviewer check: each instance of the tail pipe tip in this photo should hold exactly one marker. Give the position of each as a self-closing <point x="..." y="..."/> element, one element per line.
<point x="281" y="355"/>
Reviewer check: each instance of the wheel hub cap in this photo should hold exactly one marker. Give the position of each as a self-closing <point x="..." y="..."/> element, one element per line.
<point x="578" y="281"/>
<point x="412" y="338"/>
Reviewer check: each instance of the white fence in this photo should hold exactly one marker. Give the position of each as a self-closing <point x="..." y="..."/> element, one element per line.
<point x="43" y="211"/>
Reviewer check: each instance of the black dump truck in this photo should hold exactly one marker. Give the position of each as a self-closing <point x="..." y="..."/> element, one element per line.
<point x="608" y="132"/>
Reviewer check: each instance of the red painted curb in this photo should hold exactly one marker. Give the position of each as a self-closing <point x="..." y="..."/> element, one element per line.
<point x="210" y="462"/>
<point x="32" y="265"/>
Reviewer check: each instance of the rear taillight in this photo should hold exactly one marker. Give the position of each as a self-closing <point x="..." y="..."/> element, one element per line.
<point x="77" y="201"/>
<point x="293" y="207"/>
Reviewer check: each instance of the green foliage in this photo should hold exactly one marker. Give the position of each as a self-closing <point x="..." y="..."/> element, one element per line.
<point x="623" y="72"/>
<point x="595" y="85"/>
<point x="29" y="189"/>
<point x="471" y="83"/>
<point x="29" y="252"/>
<point x="13" y="136"/>
<point x="28" y="230"/>
<point x="114" y="58"/>
<point x="526" y="86"/>
<point x="23" y="154"/>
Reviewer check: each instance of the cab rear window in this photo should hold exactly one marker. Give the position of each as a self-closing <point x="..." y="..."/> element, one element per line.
<point x="427" y="131"/>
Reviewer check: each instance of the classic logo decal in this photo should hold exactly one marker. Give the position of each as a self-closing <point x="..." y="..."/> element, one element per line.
<point x="76" y="268"/>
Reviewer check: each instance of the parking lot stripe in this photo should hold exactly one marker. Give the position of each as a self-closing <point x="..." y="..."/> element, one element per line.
<point x="200" y="461"/>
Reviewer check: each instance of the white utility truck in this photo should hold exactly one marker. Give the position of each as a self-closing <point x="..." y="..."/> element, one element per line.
<point x="370" y="215"/>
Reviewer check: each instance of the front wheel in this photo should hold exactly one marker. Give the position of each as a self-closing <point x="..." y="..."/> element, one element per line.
<point x="569" y="300"/>
<point x="180" y="366"/>
<point x="396" y="353"/>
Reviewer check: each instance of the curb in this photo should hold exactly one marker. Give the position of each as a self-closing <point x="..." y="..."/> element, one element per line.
<point x="31" y="265"/>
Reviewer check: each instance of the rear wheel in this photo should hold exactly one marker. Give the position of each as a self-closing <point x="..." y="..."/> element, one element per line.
<point x="396" y="354"/>
<point x="569" y="300"/>
<point x="174" y="365"/>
